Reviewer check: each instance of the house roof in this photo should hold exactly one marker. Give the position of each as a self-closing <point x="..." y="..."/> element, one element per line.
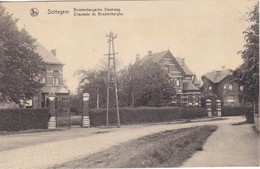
<point x="196" y="81"/>
<point x="217" y="76"/>
<point x="47" y="56"/>
<point x="184" y="66"/>
<point x="156" y="58"/>
<point x="189" y="86"/>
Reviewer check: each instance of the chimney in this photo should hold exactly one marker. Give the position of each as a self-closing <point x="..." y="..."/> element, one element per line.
<point x="137" y="58"/>
<point x="223" y="68"/>
<point x="53" y="51"/>
<point x="182" y="62"/>
<point x="150" y="53"/>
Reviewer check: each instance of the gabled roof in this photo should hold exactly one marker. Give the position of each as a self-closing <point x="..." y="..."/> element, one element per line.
<point x="47" y="56"/>
<point x="217" y="76"/>
<point x="184" y="66"/>
<point x="196" y="81"/>
<point x="157" y="57"/>
<point x="189" y="86"/>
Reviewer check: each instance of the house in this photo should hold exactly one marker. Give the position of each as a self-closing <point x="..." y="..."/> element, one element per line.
<point x="218" y="85"/>
<point x="53" y="81"/>
<point x="186" y="82"/>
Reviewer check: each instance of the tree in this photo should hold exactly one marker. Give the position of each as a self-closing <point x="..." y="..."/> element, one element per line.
<point x="145" y="84"/>
<point x="93" y="82"/>
<point x="247" y="74"/>
<point x="21" y="68"/>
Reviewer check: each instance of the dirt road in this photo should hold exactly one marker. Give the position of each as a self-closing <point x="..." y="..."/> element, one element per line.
<point x="77" y="143"/>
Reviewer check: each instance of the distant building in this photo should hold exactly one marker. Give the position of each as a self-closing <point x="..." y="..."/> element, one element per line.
<point x="218" y="85"/>
<point x="187" y="84"/>
<point x="53" y="80"/>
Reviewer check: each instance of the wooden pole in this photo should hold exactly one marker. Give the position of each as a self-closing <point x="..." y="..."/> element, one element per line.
<point x="108" y="78"/>
<point x="115" y="79"/>
<point x="111" y="56"/>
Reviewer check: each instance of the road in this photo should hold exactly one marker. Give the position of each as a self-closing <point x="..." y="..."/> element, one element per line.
<point x="46" y="149"/>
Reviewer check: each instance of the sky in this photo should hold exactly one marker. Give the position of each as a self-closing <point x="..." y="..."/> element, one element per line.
<point x="207" y="33"/>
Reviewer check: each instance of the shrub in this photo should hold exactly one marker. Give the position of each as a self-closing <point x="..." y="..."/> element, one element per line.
<point x="145" y="115"/>
<point x="235" y="111"/>
<point x="23" y="119"/>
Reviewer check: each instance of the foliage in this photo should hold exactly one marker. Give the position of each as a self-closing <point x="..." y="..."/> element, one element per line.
<point x="138" y="85"/>
<point x="248" y="73"/>
<point x="235" y="111"/>
<point x="94" y="83"/>
<point x="23" y="119"/>
<point x="145" y="84"/>
<point x="76" y="104"/>
<point x="145" y="115"/>
<point x="21" y="68"/>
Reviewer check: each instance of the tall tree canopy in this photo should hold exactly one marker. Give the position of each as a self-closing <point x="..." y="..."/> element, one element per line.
<point x="145" y="84"/>
<point x="139" y="85"/>
<point x="248" y="73"/>
<point x="21" y="68"/>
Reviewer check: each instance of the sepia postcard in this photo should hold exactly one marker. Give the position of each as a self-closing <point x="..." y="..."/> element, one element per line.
<point x="129" y="84"/>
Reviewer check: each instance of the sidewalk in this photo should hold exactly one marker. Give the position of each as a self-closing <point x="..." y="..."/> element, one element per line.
<point x="229" y="146"/>
<point x="44" y="150"/>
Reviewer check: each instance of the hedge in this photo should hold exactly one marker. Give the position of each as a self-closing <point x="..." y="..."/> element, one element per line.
<point x="145" y="115"/>
<point x="23" y="119"/>
<point x="235" y="111"/>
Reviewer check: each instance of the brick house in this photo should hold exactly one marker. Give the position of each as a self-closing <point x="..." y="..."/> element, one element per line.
<point x="186" y="82"/>
<point x="218" y="85"/>
<point x="53" y="80"/>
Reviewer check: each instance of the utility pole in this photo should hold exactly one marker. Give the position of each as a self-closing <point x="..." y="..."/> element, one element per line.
<point x="112" y="79"/>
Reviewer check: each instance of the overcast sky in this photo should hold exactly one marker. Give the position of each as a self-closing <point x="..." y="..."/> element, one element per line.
<point x="207" y="33"/>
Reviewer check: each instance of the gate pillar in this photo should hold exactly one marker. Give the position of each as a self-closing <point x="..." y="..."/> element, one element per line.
<point x="208" y="106"/>
<point x="218" y="107"/>
<point x="85" y="115"/>
<point x="52" y="121"/>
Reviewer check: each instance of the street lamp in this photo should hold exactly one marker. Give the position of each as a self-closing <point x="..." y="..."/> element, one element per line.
<point x="52" y="121"/>
<point x="85" y="114"/>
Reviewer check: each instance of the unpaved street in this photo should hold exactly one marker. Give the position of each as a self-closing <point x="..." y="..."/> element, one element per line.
<point x="78" y="143"/>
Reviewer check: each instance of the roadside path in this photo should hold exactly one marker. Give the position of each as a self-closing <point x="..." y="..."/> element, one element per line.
<point x="48" y="154"/>
<point x="229" y="146"/>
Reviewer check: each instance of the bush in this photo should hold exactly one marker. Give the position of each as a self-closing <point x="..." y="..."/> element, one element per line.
<point x="235" y="111"/>
<point x="23" y="119"/>
<point x="145" y="115"/>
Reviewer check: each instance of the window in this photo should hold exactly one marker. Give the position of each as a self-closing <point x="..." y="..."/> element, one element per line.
<point x="225" y="87"/>
<point x="241" y="88"/>
<point x="167" y="68"/>
<point x="178" y="82"/>
<point x="230" y="87"/>
<point x="210" y="88"/>
<point x="55" y="77"/>
<point x="55" y="81"/>
<point x="230" y="99"/>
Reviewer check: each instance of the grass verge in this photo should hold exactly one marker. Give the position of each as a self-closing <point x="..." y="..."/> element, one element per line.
<point x="166" y="149"/>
